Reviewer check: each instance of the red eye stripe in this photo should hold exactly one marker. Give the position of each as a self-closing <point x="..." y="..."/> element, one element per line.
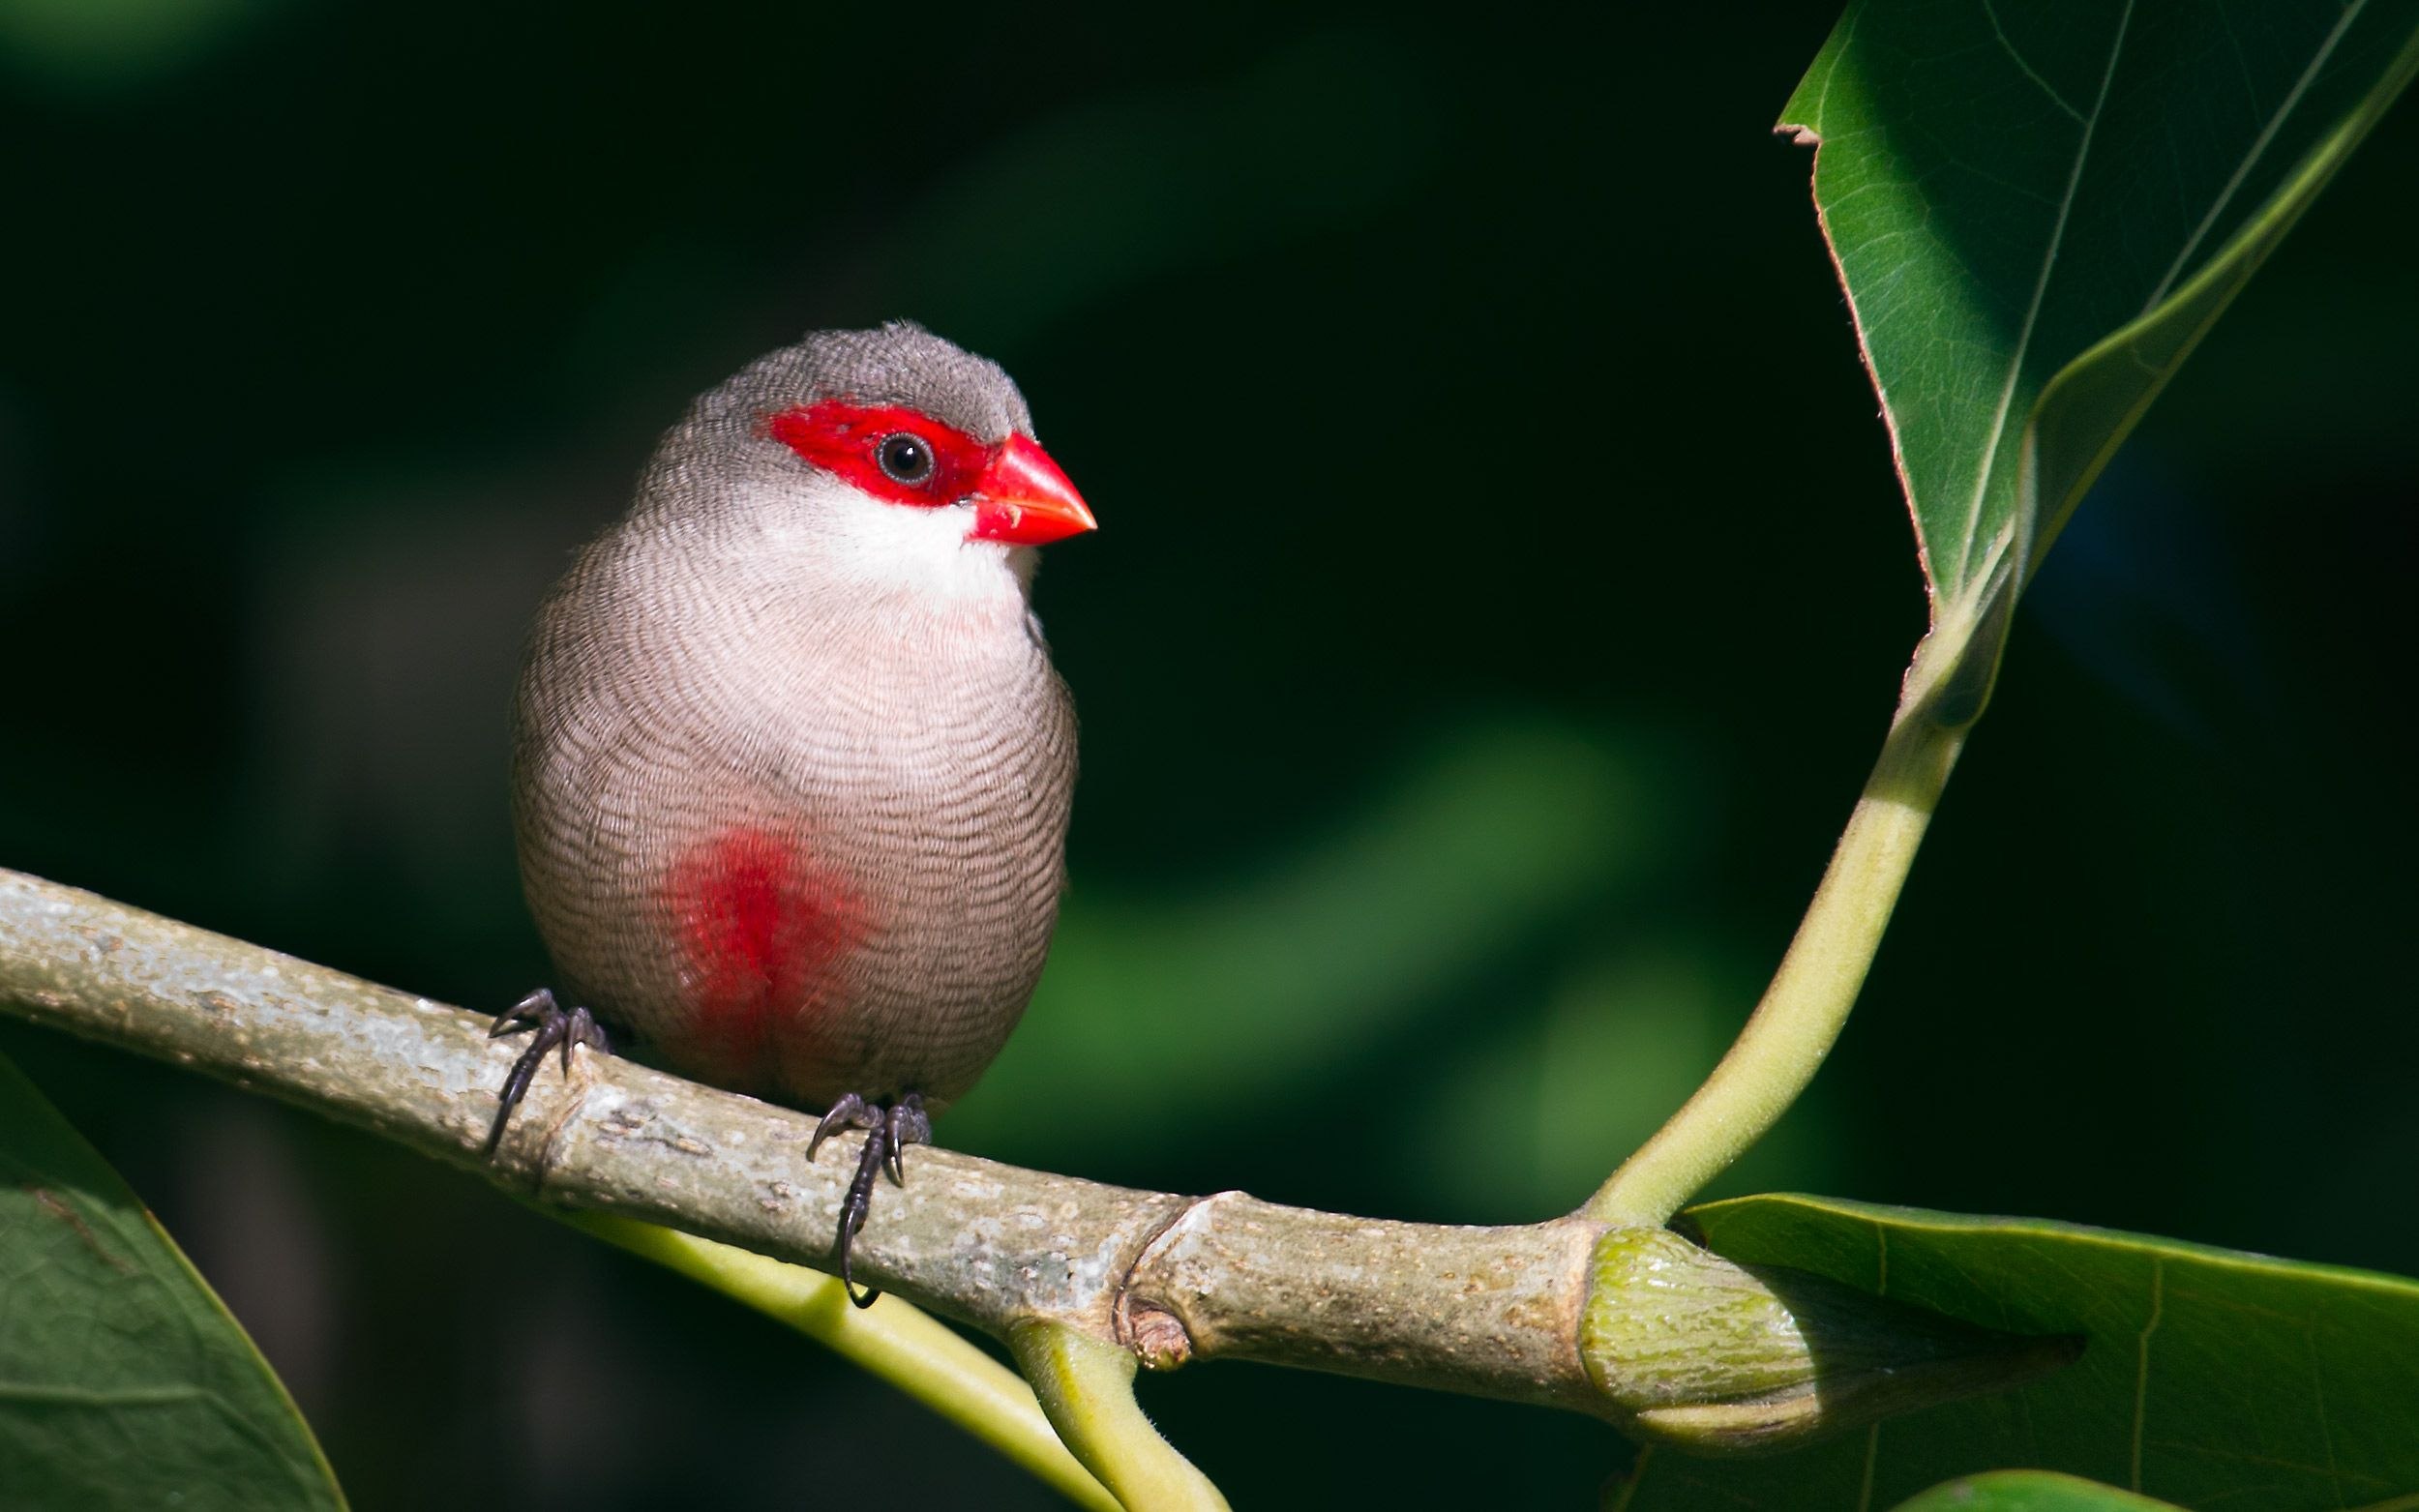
<point x="844" y="438"/>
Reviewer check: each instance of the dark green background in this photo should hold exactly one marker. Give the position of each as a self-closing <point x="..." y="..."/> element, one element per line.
<point x="1470" y="407"/>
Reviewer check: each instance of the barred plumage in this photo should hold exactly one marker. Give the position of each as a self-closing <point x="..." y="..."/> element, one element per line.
<point x="792" y="769"/>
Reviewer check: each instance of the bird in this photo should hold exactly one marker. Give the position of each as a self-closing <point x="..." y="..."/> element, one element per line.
<point x="792" y="769"/>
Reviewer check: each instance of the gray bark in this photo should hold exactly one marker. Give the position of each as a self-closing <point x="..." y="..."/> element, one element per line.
<point x="1540" y="1313"/>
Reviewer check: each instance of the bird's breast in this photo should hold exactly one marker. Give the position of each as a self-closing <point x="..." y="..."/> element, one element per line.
<point x="799" y="870"/>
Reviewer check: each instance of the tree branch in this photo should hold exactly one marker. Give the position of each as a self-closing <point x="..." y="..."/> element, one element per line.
<point x="1560" y="1313"/>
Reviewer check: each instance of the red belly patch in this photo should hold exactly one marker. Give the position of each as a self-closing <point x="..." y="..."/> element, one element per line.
<point x="764" y="927"/>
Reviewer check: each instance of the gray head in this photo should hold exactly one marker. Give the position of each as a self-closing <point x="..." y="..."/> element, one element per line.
<point x="884" y="458"/>
<point x="899" y="363"/>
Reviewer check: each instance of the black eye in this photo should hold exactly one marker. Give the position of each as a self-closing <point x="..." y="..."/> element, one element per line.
<point x="906" y="457"/>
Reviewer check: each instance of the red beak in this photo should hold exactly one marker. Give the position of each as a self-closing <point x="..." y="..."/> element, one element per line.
<point x="1024" y="499"/>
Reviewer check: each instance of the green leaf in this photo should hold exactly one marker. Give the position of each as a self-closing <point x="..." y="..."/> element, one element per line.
<point x="2209" y="1378"/>
<point x="2028" y="1491"/>
<point x="123" y="1380"/>
<point x="2038" y="209"/>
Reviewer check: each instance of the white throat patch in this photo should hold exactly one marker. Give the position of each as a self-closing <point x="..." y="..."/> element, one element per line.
<point x="839" y="538"/>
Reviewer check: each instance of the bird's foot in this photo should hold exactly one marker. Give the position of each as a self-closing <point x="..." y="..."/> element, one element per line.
<point x="890" y="1125"/>
<point x="557" y="1028"/>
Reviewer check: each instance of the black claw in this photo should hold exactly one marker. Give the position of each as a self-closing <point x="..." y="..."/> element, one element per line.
<point x="849" y="1113"/>
<point x="556" y="1029"/>
<point x="532" y="1009"/>
<point x="889" y="1129"/>
<point x="906" y="1124"/>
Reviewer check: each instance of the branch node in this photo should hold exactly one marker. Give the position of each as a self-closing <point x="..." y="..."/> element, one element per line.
<point x="1150" y="1328"/>
<point x="1155" y="1335"/>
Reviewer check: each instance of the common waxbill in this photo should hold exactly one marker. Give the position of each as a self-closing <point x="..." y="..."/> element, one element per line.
<point x="792" y="769"/>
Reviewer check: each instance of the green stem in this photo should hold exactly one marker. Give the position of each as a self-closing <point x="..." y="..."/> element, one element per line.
<point x="1806" y="1006"/>
<point x="910" y="1350"/>
<point x="1087" y="1386"/>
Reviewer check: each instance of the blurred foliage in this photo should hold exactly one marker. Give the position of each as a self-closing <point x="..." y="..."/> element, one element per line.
<point x="107" y="45"/>
<point x="2027" y="1490"/>
<point x="1479" y="656"/>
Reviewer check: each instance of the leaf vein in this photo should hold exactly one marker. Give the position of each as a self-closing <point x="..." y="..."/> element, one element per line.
<point x="2023" y="67"/>
<point x="2032" y="310"/>
<point x="2251" y="158"/>
<point x="2141" y="1373"/>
